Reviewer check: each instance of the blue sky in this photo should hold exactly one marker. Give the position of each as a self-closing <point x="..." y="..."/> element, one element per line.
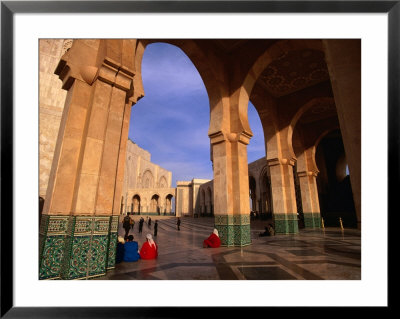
<point x="171" y="121"/>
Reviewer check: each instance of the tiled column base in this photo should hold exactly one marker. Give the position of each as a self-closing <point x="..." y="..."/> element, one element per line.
<point x="286" y="224"/>
<point x="52" y="238"/>
<point x="312" y="220"/>
<point x="233" y="230"/>
<point x="75" y="247"/>
<point x="112" y="246"/>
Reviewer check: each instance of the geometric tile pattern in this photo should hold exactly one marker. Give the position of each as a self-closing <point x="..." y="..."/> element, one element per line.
<point x="233" y="230"/>
<point x="286" y="223"/>
<point x="312" y="220"/>
<point x="112" y="242"/>
<point x="112" y="247"/>
<point x="74" y="247"/>
<point x="78" y="258"/>
<point x="52" y="238"/>
<point x="42" y="234"/>
<point x="52" y="257"/>
<point x="89" y="250"/>
<point x="98" y="255"/>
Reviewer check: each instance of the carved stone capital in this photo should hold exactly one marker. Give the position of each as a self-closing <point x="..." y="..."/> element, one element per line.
<point x="108" y="72"/>
<point x="220" y="136"/>
<point x="217" y="137"/>
<point x="307" y="173"/>
<point x="281" y="161"/>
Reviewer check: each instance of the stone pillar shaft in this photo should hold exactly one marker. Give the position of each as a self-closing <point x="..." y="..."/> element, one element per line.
<point x="309" y="198"/>
<point x="283" y="196"/>
<point x="343" y="58"/>
<point x="67" y="156"/>
<point x="79" y="232"/>
<point x="231" y="189"/>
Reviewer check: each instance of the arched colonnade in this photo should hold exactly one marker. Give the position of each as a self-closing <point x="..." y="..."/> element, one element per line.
<point x="151" y="201"/>
<point x="286" y="80"/>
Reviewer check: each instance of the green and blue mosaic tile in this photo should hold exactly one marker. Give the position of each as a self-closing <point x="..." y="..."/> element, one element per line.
<point x="286" y="224"/>
<point x="233" y="230"/>
<point x="76" y="247"/>
<point x="312" y="220"/>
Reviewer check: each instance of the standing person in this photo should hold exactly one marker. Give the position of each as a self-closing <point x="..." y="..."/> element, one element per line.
<point x="178" y="223"/>
<point x="126" y="224"/>
<point x="149" y="222"/>
<point x="155" y="228"/>
<point x="149" y="249"/>
<point x="132" y="222"/>
<point x="141" y="221"/>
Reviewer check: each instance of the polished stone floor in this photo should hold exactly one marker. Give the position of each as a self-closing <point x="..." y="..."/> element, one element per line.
<point x="329" y="254"/>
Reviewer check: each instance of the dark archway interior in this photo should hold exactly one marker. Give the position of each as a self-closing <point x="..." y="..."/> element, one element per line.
<point x="252" y="191"/>
<point x="299" y="204"/>
<point x="335" y="196"/>
<point x="266" y="196"/>
<point x="135" y="204"/>
<point x="155" y="207"/>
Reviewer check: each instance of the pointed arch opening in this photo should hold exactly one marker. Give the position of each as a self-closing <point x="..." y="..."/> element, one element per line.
<point x="168" y="204"/>
<point x="334" y="187"/>
<point x="136" y="205"/>
<point x="172" y="120"/>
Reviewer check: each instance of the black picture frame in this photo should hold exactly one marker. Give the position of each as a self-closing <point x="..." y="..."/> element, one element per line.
<point x="9" y="8"/>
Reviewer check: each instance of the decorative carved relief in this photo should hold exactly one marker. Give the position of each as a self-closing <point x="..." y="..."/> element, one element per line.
<point x="295" y="70"/>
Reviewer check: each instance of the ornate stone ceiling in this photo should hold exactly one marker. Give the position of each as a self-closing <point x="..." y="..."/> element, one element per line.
<point x="319" y="111"/>
<point x="293" y="71"/>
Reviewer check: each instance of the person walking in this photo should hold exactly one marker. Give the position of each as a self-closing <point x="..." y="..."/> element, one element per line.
<point x="132" y="222"/>
<point x="141" y="221"/>
<point x="126" y="224"/>
<point x="178" y="223"/>
<point x="149" y="222"/>
<point x="155" y="228"/>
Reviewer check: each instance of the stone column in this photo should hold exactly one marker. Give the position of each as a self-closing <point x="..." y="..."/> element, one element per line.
<point x="309" y="199"/>
<point x="78" y="235"/>
<point x="231" y="188"/>
<point x="343" y="58"/>
<point x="283" y="196"/>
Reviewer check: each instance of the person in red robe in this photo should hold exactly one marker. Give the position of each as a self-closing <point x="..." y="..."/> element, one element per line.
<point x="149" y="249"/>
<point x="213" y="240"/>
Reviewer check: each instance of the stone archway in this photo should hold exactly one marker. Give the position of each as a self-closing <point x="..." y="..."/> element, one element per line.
<point x="203" y="206"/>
<point x="209" y="202"/>
<point x="136" y="204"/>
<point x="266" y="208"/>
<point x="168" y="204"/>
<point x="334" y="190"/>
<point x="103" y="80"/>
<point x="155" y="205"/>
<point x="253" y="197"/>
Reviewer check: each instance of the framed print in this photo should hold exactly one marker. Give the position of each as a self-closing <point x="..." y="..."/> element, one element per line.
<point x="329" y="67"/>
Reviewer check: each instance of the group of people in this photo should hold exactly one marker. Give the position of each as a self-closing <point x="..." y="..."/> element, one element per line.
<point x="128" y="224"/>
<point x="128" y="249"/>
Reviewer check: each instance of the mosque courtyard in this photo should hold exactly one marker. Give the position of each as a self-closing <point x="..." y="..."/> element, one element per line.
<point x="320" y="254"/>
